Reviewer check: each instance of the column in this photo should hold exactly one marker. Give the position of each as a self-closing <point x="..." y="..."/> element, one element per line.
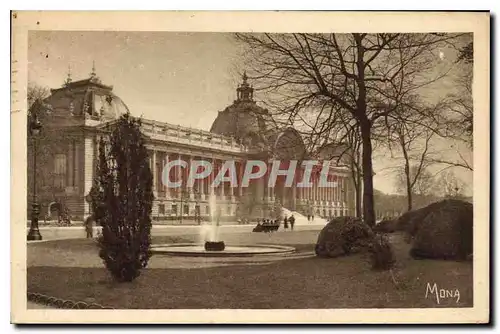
<point x="340" y="190"/>
<point x="221" y="185"/>
<point x="211" y="178"/>
<point x="69" y="163"/>
<point x="165" y="162"/>
<point x="178" y="173"/>
<point x="240" y="178"/>
<point x="191" y="190"/>
<point x="315" y="190"/>
<point x="155" y="176"/>
<point x="337" y="190"/>
<point x="298" y="177"/>
<point x="267" y="190"/>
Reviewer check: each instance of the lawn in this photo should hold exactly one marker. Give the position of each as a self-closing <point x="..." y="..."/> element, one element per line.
<point x="71" y="270"/>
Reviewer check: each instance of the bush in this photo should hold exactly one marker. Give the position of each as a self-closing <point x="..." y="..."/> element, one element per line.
<point x="122" y="200"/>
<point x="386" y="226"/>
<point x="382" y="254"/>
<point x="446" y="232"/>
<point x="342" y="235"/>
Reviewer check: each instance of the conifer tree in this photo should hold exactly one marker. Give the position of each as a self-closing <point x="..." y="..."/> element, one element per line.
<point x="122" y="199"/>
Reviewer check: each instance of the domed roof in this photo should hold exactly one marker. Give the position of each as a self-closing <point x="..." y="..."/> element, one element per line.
<point x="89" y="98"/>
<point x="288" y="144"/>
<point x="244" y="120"/>
<point x="108" y="106"/>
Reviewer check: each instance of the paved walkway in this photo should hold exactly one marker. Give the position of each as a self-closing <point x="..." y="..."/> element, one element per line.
<point x="77" y="232"/>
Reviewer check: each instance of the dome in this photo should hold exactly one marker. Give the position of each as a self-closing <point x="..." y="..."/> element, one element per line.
<point x="244" y="120"/>
<point x="108" y="106"/>
<point x="288" y="144"/>
<point x="88" y="98"/>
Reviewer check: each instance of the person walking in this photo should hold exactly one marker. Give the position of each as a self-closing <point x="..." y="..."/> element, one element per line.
<point x="285" y="223"/>
<point x="292" y="221"/>
<point x="89" y="226"/>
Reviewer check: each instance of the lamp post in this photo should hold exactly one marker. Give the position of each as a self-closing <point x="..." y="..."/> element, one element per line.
<point x="197" y="212"/>
<point x="35" y="126"/>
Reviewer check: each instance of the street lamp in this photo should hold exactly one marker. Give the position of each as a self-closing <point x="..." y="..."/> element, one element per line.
<point x="35" y="127"/>
<point x="197" y="209"/>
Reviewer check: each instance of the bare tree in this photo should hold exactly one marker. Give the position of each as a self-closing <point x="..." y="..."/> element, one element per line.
<point x="458" y="120"/>
<point x="448" y="185"/>
<point x="422" y="185"/>
<point x="36" y="92"/>
<point x="316" y="80"/>
<point x="409" y="135"/>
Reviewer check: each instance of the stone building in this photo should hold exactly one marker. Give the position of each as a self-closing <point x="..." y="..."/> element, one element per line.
<point x="80" y="110"/>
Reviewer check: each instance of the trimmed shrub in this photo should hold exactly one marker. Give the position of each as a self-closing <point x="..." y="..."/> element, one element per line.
<point x="122" y="200"/>
<point x="382" y="254"/>
<point x="343" y="235"/>
<point x="445" y="232"/>
<point x="386" y="226"/>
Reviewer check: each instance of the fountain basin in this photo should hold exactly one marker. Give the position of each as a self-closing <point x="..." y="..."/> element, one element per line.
<point x="197" y="250"/>
<point x="215" y="246"/>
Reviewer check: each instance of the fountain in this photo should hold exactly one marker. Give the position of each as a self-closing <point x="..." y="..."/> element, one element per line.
<point x="210" y="245"/>
<point x="213" y="244"/>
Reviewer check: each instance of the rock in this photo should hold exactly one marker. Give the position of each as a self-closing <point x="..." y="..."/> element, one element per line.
<point x="341" y="235"/>
<point x="442" y="230"/>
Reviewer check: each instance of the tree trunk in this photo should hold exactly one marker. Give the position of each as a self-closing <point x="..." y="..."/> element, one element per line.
<point x="358" y="195"/>
<point x="408" y="187"/>
<point x="407" y="175"/>
<point x="368" y="202"/>
<point x="365" y="125"/>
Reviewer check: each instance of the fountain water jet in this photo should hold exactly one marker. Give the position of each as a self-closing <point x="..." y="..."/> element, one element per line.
<point x="213" y="243"/>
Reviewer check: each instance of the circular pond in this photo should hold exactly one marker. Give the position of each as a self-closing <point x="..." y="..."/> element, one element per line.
<point x="229" y="250"/>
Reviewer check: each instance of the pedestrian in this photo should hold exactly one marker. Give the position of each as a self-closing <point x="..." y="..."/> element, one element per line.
<point x="308" y="217"/>
<point x="285" y="223"/>
<point x="89" y="226"/>
<point x="292" y="221"/>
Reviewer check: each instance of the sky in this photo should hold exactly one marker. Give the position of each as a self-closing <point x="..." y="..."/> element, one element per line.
<point x="180" y="78"/>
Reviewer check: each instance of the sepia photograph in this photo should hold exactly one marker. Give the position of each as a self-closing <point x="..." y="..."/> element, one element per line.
<point x="328" y="172"/>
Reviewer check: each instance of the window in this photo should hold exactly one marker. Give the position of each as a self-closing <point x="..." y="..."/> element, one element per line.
<point x="161" y="209"/>
<point x="185" y="209"/>
<point x="229" y="210"/>
<point x="60" y="171"/>
<point x="174" y="209"/>
<point x="207" y="210"/>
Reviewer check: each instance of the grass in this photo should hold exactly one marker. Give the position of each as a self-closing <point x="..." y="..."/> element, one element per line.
<point x="291" y="282"/>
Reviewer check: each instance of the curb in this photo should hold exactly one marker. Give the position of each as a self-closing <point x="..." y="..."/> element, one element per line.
<point x="63" y="304"/>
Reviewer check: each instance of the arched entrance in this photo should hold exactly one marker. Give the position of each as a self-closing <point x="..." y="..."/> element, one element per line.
<point x="288" y="146"/>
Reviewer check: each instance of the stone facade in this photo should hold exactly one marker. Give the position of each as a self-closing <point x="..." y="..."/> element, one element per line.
<point x="67" y="156"/>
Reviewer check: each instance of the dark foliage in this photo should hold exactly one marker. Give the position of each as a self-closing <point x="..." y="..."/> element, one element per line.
<point x="382" y="253"/>
<point x="343" y="235"/>
<point x="466" y="54"/>
<point x="122" y="199"/>
<point x="386" y="226"/>
<point x="445" y="232"/>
